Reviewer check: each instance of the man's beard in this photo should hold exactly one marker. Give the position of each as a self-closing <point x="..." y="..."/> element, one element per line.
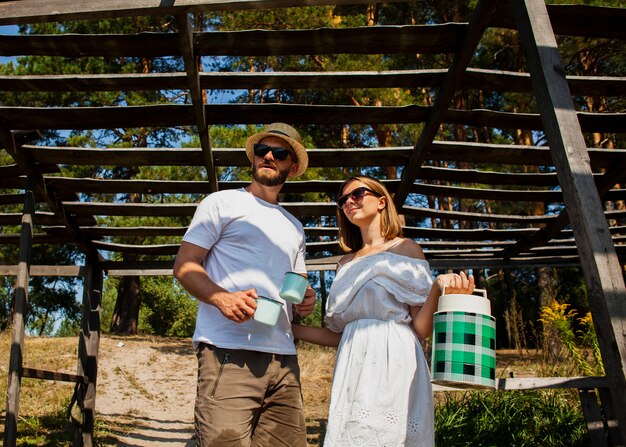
<point x="269" y="178"/>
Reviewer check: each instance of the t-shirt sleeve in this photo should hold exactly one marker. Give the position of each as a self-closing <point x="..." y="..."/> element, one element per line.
<point x="205" y="227"/>
<point x="300" y="266"/>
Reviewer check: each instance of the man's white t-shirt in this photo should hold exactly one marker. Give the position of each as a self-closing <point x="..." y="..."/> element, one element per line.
<point x="251" y="243"/>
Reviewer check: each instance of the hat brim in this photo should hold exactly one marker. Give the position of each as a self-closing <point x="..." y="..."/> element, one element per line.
<point x="298" y="148"/>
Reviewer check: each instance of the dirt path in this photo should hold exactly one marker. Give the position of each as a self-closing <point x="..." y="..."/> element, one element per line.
<point x="146" y="390"/>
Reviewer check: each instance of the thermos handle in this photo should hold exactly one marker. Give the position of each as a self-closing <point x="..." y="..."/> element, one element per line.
<point x="483" y="291"/>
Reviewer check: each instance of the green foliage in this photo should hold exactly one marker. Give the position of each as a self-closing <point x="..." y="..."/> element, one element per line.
<point x="315" y="319"/>
<point x="517" y="293"/>
<point x="6" y="298"/>
<point x="556" y="318"/>
<point x="166" y="309"/>
<point x="501" y="418"/>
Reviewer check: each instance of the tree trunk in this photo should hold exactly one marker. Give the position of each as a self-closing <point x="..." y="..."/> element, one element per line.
<point x="125" y="319"/>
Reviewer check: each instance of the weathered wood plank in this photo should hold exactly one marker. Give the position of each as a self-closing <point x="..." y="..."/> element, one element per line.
<point x="411" y="39"/>
<point x="541" y="383"/>
<point x="459" y="236"/>
<point x="601" y="268"/>
<point x="88" y="346"/>
<point x="43" y="270"/>
<point x="390" y="156"/>
<point x="301" y="209"/>
<point x="19" y="322"/>
<point x="487" y="194"/>
<point x="593" y="418"/>
<point x="607" y="21"/>
<point x="39" y="218"/>
<point x="474" y="79"/>
<point x="27" y="118"/>
<point x="156" y="250"/>
<point x="35" y="11"/>
<point x="38" y="239"/>
<point x="566" y="19"/>
<point x="478" y="22"/>
<point x="133" y="231"/>
<point x="330" y="263"/>
<point x="475" y="217"/>
<point x="33" y="373"/>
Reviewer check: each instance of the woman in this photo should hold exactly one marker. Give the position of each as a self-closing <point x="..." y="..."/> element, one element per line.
<point x="380" y="305"/>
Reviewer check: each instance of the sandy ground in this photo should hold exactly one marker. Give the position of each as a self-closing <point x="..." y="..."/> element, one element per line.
<point x="146" y="390"/>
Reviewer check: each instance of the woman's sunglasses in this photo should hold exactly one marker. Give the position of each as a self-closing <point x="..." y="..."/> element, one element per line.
<point x="356" y="195"/>
<point x="279" y="153"/>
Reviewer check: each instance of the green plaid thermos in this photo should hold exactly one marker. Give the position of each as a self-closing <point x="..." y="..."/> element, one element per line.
<point x="464" y="342"/>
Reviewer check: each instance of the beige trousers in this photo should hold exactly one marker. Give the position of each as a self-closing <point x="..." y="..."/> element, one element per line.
<point x="248" y="399"/>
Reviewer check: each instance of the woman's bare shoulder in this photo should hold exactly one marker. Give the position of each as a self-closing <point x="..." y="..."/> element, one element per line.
<point x="407" y="247"/>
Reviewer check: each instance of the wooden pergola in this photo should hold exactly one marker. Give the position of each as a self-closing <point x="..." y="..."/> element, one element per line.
<point x="583" y="178"/>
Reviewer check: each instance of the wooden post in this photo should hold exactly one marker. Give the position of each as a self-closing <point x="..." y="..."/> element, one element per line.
<point x="88" y="345"/>
<point x="19" y="317"/>
<point x="601" y="268"/>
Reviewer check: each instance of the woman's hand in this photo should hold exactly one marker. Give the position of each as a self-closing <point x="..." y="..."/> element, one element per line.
<point x="307" y="305"/>
<point x="455" y="283"/>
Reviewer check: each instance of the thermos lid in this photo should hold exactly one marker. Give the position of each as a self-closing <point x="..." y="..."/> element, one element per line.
<point x="465" y="303"/>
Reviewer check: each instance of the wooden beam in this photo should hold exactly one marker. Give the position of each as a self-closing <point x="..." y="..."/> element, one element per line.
<point x="474" y="79"/>
<point x="546" y="196"/>
<point x="603" y="183"/>
<point x="37" y="11"/>
<point x="170" y="115"/>
<point x="155" y="250"/>
<point x="192" y="61"/>
<point x="383" y="39"/>
<point x="601" y="268"/>
<point x="477" y="25"/>
<point x="543" y="383"/>
<point x="33" y="373"/>
<point x="88" y="347"/>
<point x="452" y="151"/>
<point x="593" y="418"/>
<point x="43" y="270"/>
<point x="566" y="19"/>
<point x="19" y="323"/>
<point x="37" y="182"/>
<point x="475" y="217"/>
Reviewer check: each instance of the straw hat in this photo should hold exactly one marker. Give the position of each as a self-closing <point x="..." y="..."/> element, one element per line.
<point x="284" y="132"/>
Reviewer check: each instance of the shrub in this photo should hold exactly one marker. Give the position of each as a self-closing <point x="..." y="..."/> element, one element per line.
<point x="516" y="418"/>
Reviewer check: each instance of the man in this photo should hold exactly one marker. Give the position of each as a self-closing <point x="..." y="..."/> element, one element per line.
<point x="238" y="247"/>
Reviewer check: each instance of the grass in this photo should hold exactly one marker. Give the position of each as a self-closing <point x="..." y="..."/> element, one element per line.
<point x="521" y="418"/>
<point x="469" y="418"/>
<point x="42" y="406"/>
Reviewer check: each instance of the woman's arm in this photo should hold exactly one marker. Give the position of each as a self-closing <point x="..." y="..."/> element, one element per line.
<point x="423" y="315"/>
<point x="318" y="335"/>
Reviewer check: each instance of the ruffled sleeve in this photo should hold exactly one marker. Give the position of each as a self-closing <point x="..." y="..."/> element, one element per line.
<point x="407" y="280"/>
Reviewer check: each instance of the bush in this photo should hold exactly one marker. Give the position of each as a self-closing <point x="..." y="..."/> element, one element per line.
<point x="516" y="418"/>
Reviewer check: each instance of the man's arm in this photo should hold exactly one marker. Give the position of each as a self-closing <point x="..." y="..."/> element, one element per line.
<point x="188" y="270"/>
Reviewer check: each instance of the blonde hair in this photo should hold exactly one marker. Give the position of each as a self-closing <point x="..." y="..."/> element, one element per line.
<point x="390" y="227"/>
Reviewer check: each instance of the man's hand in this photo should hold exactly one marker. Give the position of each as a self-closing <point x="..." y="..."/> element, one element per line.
<point x="307" y="305"/>
<point x="236" y="306"/>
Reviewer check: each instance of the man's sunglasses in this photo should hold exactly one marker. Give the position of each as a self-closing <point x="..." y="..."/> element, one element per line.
<point x="279" y="153"/>
<point x="356" y="195"/>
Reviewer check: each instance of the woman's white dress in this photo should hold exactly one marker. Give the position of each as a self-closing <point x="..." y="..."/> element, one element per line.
<point x="381" y="392"/>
